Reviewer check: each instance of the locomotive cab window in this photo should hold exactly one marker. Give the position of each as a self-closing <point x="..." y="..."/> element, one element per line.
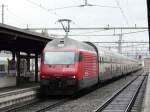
<point x="59" y="58"/>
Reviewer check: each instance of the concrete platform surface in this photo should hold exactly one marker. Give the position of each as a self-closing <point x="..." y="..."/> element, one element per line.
<point x="13" y="88"/>
<point x="146" y="104"/>
<point x="7" y="81"/>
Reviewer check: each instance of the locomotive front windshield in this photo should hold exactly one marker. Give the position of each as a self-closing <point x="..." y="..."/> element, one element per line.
<point x="59" y="58"/>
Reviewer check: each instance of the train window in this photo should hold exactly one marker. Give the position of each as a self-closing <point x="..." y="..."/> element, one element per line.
<point x="59" y="58"/>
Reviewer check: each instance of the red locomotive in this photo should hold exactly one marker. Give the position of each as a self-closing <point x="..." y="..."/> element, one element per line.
<point x="68" y="66"/>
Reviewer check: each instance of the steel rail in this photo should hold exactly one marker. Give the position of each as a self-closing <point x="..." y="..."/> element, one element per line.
<point x="54" y="105"/>
<point x="67" y="100"/>
<point x="32" y="103"/>
<point x="16" y="108"/>
<point x="131" y="103"/>
<point x="108" y="101"/>
<point x="48" y="107"/>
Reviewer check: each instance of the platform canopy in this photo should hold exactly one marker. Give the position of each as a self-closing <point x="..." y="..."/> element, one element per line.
<point x="16" y="39"/>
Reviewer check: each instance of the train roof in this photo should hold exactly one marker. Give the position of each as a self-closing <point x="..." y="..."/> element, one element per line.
<point x="68" y="43"/>
<point x="112" y="55"/>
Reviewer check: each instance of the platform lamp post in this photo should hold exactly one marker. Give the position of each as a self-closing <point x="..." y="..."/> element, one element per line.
<point x="66" y="25"/>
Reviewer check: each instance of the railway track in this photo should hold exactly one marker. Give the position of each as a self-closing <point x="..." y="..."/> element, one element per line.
<point x="39" y="105"/>
<point x="17" y="96"/>
<point x="123" y="100"/>
<point x="42" y="105"/>
<point x="46" y="105"/>
<point x="138" y="104"/>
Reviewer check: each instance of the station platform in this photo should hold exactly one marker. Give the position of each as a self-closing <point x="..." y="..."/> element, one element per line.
<point x="22" y="86"/>
<point x="7" y="81"/>
<point x="146" y="103"/>
<point x="14" y="95"/>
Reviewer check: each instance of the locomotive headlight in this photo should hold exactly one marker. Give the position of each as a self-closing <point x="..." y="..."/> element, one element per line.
<point x="72" y="77"/>
<point x="43" y="76"/>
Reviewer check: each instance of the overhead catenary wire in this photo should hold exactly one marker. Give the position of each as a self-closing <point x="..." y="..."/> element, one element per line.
<point x="21" y="19"/>
<point x="83" y="5"/>
<point x="122" y="12"/>
<point x="42" y="7"/>
<point x="124" y="42"/>
<point x="48" y="10"/>
<point x="89" y="32"/>
<point x="93" y="28"/>
<point x="38" y="5"/>
<point x="87" y="4"/>
<point x="126" y="46"/>
<point x="60" y="8"/>
<point x="105" y="6"/>
<point x="127" y="33"/>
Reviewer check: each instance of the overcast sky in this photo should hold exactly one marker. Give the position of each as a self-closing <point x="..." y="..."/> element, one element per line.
<point x="23" y="12"/>
<point x="42" y="13"/>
